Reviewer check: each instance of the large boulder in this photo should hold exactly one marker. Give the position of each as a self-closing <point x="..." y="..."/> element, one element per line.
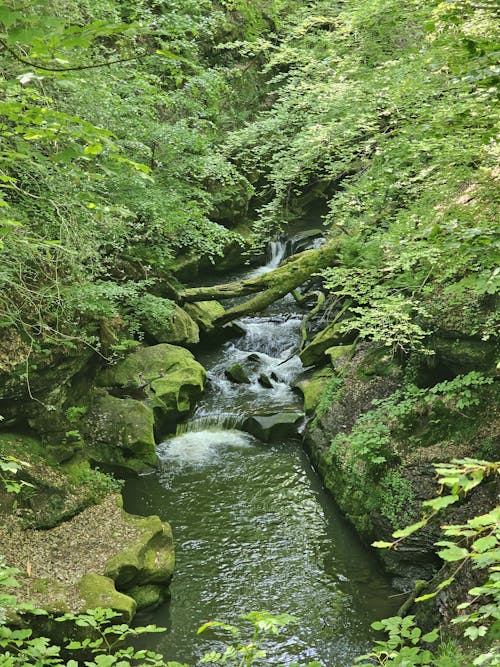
<point x="169" y="325"/>
<point x="331" y="336"/>
<point x="462" y="355"/>
<point x="148" y="560"/>
<point x="314" y="387"/>
<point x="204" y="313"/>
<point x="119" y="432"/>
<point x="167" y="377"/>
<point x="99" y="591"/>
<point x="273" y="427"/>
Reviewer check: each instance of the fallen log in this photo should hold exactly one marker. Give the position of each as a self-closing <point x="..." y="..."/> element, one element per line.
<point x="276" y="284"/>
<point x="292" y="273"/>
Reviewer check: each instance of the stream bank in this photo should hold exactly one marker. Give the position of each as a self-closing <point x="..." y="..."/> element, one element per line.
<point x="254" y="527"/>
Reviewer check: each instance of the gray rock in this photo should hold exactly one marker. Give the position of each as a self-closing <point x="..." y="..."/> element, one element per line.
<point x="270" y="428"/>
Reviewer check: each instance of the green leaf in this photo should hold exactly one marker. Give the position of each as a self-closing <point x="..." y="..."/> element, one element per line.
<point x="484" y="543"/>
<point x="409" y="530"/>
<point x="431" y="636"/>
<point x="453" y="553"/>
<point x="441" y="502"/>
<point x="427" y="596"/>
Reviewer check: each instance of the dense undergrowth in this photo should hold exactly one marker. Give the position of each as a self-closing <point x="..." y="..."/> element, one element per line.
<point x="136" y="132"/>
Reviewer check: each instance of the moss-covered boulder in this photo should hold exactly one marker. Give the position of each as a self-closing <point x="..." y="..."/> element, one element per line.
<point x="170" y="325"/>
<point x="237" y="374"/>
<point x="204" y="313"/>
<point x="166" y="376"/>
<point x="462" y="355"/>
<point x="148" y="560"/>
<point x="119" y="432"/>
<point x="148" y="596"/>
<point x="314" y="387"/>
<point x="338" y="354"/>
<point x="98" y="591"/>
<point x="331" y="336"/>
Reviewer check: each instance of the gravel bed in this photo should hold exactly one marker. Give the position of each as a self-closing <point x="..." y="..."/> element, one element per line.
<point x="64" y="554"/>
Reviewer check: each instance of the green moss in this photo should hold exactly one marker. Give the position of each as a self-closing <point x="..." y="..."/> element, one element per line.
<point x="99" y="591"/>
<point x="378" y="362"/>
<point x="168" y="376"/>
<point x="331" y="336"/>
<point x="149" y="560"/>
<point x="339" y="354"/>
<point x="204" y="313"/>
<point x="237" y="373"/>
<point x="147" y="596"/>
<point x="313" y="389"/>
<point x="173" y="326"/>
<point x="120" y="432"/>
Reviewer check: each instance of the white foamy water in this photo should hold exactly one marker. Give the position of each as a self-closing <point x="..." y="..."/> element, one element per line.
<point x="200" y="448"/>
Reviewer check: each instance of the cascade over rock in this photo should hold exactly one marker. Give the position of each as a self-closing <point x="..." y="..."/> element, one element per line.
<point x="274" y="284"/>
<point x="167" y="376"/>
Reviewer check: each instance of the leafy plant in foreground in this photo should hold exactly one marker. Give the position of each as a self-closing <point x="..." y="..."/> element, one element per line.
<point x="476" y="543"/>
<point x="246" y="654"/>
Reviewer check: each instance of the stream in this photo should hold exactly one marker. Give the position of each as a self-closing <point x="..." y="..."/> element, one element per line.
<point x="253" y="527"/>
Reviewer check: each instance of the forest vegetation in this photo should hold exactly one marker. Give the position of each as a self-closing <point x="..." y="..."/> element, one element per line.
<point x="148" y="142"/>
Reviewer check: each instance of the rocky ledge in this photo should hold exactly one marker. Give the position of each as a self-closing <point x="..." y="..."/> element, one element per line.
<point x="103" y="557"/>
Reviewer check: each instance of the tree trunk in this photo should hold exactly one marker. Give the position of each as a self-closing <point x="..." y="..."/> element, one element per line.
<point x="273" y="285"/>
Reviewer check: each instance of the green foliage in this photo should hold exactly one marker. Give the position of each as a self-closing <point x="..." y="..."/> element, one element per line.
<point x="246" y="654"/>
<point x="388" y="110"/>
<point x="332" y="392"/>
<point x="108" y="127"/>
<point x="476" y="544"/>
<point x="403" y="646"/>
<point x="9" y="467"/>
<point x="96" y="483"/>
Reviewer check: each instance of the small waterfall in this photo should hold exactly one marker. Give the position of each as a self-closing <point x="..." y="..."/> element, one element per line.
<point x="276" y="253"/>
<point x="211" y="421"/>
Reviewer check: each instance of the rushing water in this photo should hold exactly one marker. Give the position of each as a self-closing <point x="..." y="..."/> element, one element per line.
<point x="253" y="527"/>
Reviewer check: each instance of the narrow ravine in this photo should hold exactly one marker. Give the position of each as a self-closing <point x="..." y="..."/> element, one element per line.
<point x="253" y="527"/>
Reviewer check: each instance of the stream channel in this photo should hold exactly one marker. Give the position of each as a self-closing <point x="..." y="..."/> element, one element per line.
<point x="253" y="527"/>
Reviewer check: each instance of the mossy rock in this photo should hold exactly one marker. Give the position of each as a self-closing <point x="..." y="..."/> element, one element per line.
<point x="237" y="374"/>
<point x="274" y="427"/>
<point x="148" y="596"/>
<point x="53" y="493"/>
<point x="178" y="328"/>
<point x="167" y="376"/>
<point x="329" y="337"/>
<point x="378" y="362"/>
<point x="313" y="388"/>
<point x="339" y="354"/>
<point x="99" y="591"/>
<point x="462" y="355"/>
<point x="120" y="432"/>
<point x="204" y="313"/>
<point x="149" y="560"/>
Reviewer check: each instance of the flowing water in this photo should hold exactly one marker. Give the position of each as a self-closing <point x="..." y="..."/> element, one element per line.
<point x="253" y="527"/>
